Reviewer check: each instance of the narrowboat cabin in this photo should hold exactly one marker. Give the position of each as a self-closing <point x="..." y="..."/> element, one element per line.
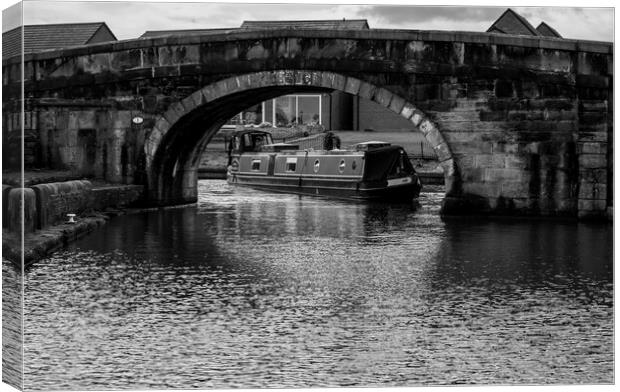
<point x="372" y="171"/>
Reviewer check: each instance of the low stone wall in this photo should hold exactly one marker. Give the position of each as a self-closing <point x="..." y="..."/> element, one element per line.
<point x="115" y="196"/>
<point x="18" y="200"/>
<point x="57" y="199"/>
<point x="49" y="204"/>
<point x="41" y="243"/>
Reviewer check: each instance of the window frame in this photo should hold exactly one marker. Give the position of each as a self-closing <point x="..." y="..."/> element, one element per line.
<point x="241" y="114"/>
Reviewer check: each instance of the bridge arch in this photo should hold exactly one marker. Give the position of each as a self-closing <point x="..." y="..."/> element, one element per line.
<point x="173" y="147"/>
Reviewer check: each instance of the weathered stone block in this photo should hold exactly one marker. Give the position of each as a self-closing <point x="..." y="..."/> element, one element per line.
<point x="460" y="137"/>
<point x="469" y="148"/>
<point x="397" y="104"/>
<point x="503" y="175"/>
<point x="116" y="196"/>
<point x="588" y="190"/>
<point x="592" y="161"/>
<point x="592" y="148"/>
<point x="327" y="79"/>
<point x="120" y="119"/>
<point x="15" y="209"/>
<point x="317" y="78"/>
<point x="516" y="161"/>
<point x="442" y="150"/>
<point x="484" y="189"/>
<point x="472" y="174"/>
<point x="489" y="160"/>
<point x="593" y="175"/>
<point x="339" y="81"/>
<point x="587" y="205"/>
<point x="427" y="127"/>
<point x="383" y="97"/>
<point x="367" y="91"/>
<point x="593" y="106"/>
<point x="5" y="200"/>
<point x="464" y="160"/>
<point x="407" y="110"/>
<point x="352" y="86"/>
<point x="173" y="114"/>
<point x="458" y="126"/>
<point x="161" y="126"/>
<point x="449" y="168"/>
<point x="417" y="118"/>
<point x="599" y="136"/>
<point x="197" y="97"/>
<point x="456" y="116"/>
<point x="515" y="189"/>
<point x="188" y="104"/>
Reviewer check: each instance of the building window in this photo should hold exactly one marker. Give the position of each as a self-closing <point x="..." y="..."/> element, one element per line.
<point x="250" y="116"/>
<point x="287" y="110"/>
<point x="297" y="109"/>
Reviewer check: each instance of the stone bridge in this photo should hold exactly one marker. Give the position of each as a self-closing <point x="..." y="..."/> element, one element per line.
<point x="521" y="125"/>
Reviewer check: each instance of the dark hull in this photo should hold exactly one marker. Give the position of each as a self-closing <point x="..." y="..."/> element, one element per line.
<point x="335" y="188"/>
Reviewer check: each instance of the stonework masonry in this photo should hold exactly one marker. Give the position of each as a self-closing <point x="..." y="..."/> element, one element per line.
<point x="48" y="204"/>
<point x="521" y="125"/>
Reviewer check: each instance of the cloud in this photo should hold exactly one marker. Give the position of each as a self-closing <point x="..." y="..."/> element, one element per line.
<point x="11" y="17"/>
<point x="408" y="15"/>
<point x="576" y="23"/>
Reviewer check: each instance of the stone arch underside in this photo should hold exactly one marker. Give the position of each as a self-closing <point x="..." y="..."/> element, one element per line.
<point x="173" y="147"/>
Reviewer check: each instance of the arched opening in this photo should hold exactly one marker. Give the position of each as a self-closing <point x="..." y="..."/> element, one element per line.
<point x="352" y="119"/>
<point x="174" y="146"/>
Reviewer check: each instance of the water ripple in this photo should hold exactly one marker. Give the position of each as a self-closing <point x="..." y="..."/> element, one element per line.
<point x="250" y="289"/>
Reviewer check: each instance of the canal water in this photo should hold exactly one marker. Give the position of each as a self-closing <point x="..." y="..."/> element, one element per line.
<point x="251" y="289"/>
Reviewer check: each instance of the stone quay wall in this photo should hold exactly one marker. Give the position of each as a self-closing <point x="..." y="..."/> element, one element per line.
<point x="47" y="204"/>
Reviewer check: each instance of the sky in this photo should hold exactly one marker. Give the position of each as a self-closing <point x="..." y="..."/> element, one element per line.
<point x="130" y="19"/>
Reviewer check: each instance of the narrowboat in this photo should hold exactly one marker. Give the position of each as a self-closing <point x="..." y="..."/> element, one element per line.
<point x="371" y="171"/>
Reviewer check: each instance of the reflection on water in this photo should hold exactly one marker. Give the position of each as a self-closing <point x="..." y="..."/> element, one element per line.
<point x="251" y="289"/>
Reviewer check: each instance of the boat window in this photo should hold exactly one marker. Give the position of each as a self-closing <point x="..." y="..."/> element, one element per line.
<point x="291" y="164"/>
<point x="256" y="164"/>
<point x="236" y="143"/>
<point x="354" y="165"/>
<point x="254" y="141"/>
<point x="317" y="164"/>
<point x="342" y="166"/>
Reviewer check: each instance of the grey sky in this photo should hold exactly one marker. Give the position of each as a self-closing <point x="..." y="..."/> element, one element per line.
<point x="130" y="19"/>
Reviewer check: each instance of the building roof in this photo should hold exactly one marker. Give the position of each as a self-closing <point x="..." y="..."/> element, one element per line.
<point x="512" y="23"/>
<point x="343" y="24"/>
<point x="547" y="31"/>
<point x="53" y="36"/>
<point x="160" y="33"/>
<point x="336" y="24"/>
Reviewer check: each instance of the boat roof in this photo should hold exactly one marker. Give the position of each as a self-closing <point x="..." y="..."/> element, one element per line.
<point x="373" y="142"/>
<point x="250" y="130"/>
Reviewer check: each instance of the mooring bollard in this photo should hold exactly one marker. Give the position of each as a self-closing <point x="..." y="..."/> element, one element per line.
<point x="71" y="218"/>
